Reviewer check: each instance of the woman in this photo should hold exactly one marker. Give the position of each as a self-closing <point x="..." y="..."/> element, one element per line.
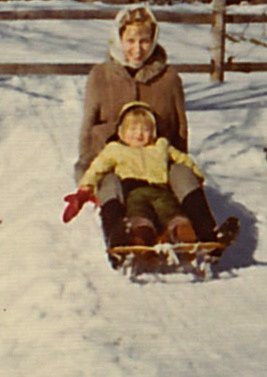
<point x="137" y="69"/>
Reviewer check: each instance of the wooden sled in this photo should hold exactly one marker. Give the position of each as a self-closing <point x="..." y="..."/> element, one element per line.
<point x="185" y="257"/>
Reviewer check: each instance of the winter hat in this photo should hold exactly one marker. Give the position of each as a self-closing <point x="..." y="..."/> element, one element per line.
<point x="123" y="18"/>
<point x="138" y="105"/>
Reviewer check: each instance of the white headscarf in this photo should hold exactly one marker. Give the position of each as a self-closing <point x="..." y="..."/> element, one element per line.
<point x="115" y="47"/>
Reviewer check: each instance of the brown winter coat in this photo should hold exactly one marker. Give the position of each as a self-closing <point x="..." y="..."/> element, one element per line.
<point x="110" y="86"/>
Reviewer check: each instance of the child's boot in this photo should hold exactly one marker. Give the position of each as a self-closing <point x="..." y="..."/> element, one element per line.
<point x="121" y="233"/>
<point x="225" y="234"/>
<point x="143" y="231"/>
<point x="228" y="231"/>
<point x="112" y="215"/>
<point x="196" y="208"/>
<point x="180" y="230"/>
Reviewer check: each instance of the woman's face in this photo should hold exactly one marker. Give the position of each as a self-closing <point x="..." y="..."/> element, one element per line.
<point x="136" y="43"/>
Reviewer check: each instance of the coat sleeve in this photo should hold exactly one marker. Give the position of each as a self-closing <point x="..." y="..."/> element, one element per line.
<point x="95" y="129"/>
<point x="104" y="163"/>
<point x="182" y="158"/>
<point x="181" y="113"/>
<point x="90" y="118"/>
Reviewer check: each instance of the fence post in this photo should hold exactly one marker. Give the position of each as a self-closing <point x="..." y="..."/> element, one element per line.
<point x="218" y="41"/>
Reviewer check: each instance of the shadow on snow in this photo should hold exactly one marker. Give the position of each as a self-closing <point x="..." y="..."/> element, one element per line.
<point x="223" y="98"/>
<point x="241" y="253"/>
<point x="238" y="255"/>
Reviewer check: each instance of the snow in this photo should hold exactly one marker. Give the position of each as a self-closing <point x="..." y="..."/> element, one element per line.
<point x="63" y="311"/>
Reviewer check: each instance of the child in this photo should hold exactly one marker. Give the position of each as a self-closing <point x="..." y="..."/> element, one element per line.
<point x="141" y="161"/>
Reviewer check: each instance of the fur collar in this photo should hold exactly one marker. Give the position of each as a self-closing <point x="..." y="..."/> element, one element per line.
<point x="153" y="67"/>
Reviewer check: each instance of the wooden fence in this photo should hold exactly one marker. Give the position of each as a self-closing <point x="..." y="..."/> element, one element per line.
<point x="215" y="68"/>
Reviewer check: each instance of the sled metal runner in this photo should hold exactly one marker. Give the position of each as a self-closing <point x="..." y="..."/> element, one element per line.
<point x="194" y="258"/>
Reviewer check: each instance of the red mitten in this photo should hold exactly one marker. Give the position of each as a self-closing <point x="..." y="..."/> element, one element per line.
<point x="76" y="202"/>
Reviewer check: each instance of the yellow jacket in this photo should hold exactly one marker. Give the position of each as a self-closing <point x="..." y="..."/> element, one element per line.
<point x="149" y="163"/>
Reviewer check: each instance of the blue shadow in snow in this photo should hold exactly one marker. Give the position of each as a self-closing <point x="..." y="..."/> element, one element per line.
<point x="241" y="253"/>
<point x="250" y="97"/>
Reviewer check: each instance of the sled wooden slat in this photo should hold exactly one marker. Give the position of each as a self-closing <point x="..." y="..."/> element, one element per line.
<point x="179" y="248"/>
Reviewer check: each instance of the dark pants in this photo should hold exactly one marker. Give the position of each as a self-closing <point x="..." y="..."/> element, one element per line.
<point x="155" y="203"/>
<point x="181" y="179"/>
<point x="187" y="191"/>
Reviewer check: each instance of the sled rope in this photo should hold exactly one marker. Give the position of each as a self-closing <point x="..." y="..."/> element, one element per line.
<point x="168" y="251"/>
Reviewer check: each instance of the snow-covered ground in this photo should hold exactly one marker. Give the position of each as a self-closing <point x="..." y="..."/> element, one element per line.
<point x="63" y="311"/>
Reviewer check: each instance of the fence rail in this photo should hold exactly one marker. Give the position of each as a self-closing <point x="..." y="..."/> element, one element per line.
<point x="108" y="14"/>
<point x="84" y="68"/>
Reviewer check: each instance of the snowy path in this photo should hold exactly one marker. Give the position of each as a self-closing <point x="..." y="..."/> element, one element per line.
<point x="63" y="311"/>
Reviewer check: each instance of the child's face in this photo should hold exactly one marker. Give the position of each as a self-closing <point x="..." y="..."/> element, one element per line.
<point x="138" y="133"/>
